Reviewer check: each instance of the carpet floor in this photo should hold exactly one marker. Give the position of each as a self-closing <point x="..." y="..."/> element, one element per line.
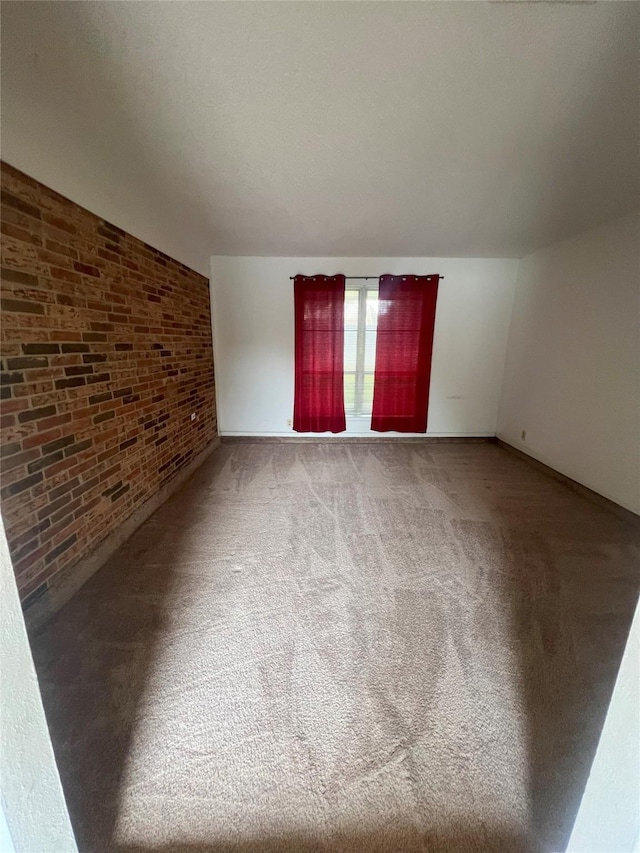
<point x="339" y="648"/>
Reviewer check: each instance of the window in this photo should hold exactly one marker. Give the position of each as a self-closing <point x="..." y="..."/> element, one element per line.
<point x="350" y="338"/>
<point x="360" y="325"/>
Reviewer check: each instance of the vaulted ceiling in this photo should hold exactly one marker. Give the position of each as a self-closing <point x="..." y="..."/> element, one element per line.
<point x="328" y="128"/>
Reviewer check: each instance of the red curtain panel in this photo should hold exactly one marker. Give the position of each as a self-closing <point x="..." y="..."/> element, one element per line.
<point x="406" y="318"/>
<point x="319" y="353"/>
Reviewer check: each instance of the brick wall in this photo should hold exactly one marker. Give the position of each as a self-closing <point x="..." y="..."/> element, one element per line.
<point x="106" y="352"/>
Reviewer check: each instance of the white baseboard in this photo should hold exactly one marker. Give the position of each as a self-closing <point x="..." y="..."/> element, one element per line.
<point x="354" y="435"/>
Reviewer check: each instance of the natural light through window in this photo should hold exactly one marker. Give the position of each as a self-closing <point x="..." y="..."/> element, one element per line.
<point x="360" y="325"/>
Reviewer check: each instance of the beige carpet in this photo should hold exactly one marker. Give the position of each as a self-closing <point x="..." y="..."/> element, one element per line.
<point x="316" y="647"/>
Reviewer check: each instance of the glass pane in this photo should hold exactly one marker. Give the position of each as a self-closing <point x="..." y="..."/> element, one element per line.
<point x="351" y="309"/>
<point x="372" y="309"/>
<point x="367" y="394"/>
<point x="350" y="393"/>
<point x="359" y="370"/>
<point x="369" y="349"/>
<point x="350" y="348"/>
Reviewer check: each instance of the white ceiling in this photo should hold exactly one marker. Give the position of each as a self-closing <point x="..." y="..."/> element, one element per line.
<point x="328" y="128"/>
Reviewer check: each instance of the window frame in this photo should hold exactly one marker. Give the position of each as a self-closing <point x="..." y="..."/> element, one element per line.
<point x="363" y="289"/>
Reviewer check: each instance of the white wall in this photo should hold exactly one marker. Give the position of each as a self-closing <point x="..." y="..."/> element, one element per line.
<point x="572" y="375"/>
<point x="252" y="305"/>
<point x="32" y="800"/>
<point x="609" y="814"/>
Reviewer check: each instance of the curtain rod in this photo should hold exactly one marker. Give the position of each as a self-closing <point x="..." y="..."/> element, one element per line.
<point x="352" y="277"/>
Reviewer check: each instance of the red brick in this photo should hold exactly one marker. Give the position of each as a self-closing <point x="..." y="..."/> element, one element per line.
<point x="81" y="318"/>
<point x="18" y="459"/>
